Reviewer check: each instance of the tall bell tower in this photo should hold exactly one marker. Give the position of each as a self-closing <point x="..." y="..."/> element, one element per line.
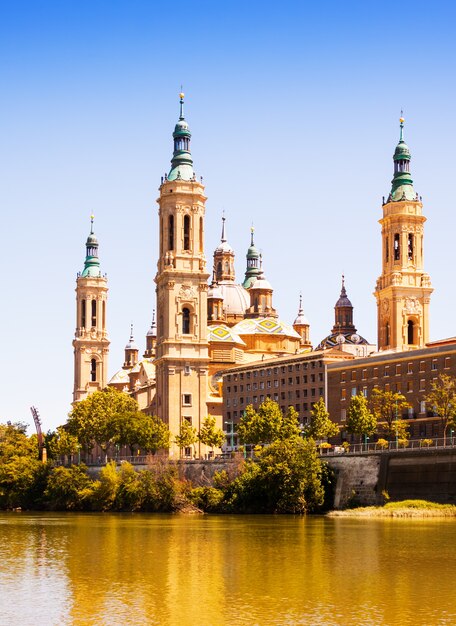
<point x="404" y="289"/>
<point x="91" y="343"/>
<point x="182" y="357"/>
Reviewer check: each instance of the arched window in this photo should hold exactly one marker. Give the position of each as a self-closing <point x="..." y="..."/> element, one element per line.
<point x="83" y="313"/>
<point x="397" y="247"/>
<point x="94" y="313"/>
<point x="93" y="370"/>
<point x="185" y="321"/>
<point x="410" y="332"/>
<point x="186" y="232"/>
<point x="219" y="270"/>
<point x="171" y="232"/>
<point x="387" y="333"/>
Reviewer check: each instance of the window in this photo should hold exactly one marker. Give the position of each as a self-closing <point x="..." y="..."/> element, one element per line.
<point x="320" y="391"/>
<point x="410" y="247"/>
<point x="262" y="384"/>
<point x="186" y="232"/>
<point x="186" y="399"/>
<point x="343" y="394"/>
<point x="304" y="379"/>
<point x="262" y="398"/>
<point x="409" y="368"/>
<point x="320" y="377"/>
<point x="185" y="321"/>
<point x="171" y="232"/>
<point x="342" y="377"/>
<point x="290" y="368"/>
<point x="94" y="313"/>
<point x="312" y="378"/>
<point x="364" y="375"/>
<point x="290" y="380"/>
<point x="83" y="313"/>
<point x="298" y="393"/>
<point x="255" y="386"/>
<point x="422" y="385"/>
<point x="343" y="415"/>
<point x="276" y="397"/>
<point x="398" y="370"/>
<point x="304" y="392"/>
<point x="410" y="332"/>
<point x="397" y="247"/>
<point x="375" y="372"/>
<point x="422" y="366"/>
<point x="268" y="384"/>
<point x="386" y="372"/>
<point x="248" y="386"/>
<point x="353" y="391"/>
<point x="235" y="388"/>
<point x="261" y="372"/>
<point x="93" y="370"/>
<point x="305" y="406"/>
<point x="447" y="362"/>
<point x="276" y="383"/>
<point x="409" y="386"/>
<point x="282" y="369"/>
<point x="422" y="406"/>
<point x="353" y="375"/>
<point x="297" y="380"/>
<point x="387" y="387"/>
<point x="312" y="392"/>
<point x="434" y="364"/>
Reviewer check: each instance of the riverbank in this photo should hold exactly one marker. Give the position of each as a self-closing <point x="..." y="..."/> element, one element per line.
<point x="405" y="508"/>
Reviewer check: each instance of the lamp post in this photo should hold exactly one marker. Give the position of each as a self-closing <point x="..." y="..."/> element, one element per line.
<point x="366" y="441"/>
<point x="451" y="436"/>
<point x="397" y="438"/>
<point x="230" y="432"/>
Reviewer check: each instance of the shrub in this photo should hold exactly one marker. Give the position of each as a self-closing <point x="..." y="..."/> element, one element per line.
<point x="382" y="444"/>
<point x="209" y="499"/>
<point x="64" y="487"/>
<point x="426" y="442"/>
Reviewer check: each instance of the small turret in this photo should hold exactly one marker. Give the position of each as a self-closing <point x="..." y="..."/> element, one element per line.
<point x="92" y="262"/>
<point x="301" y="326"/>
<point x="261" y="297"/>
<point x="151" y="339"/>
<point x="253" y="263"/>
<point x="224" y="259"/>
<point x="215" y="302"/>
<point x="343" y="313"/>
<point x="131" y="352"/>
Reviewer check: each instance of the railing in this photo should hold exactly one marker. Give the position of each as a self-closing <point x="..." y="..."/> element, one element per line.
<point x="438" y="443"/>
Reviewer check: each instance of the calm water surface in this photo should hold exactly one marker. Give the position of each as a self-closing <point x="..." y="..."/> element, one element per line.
<point x="183" y="570"/>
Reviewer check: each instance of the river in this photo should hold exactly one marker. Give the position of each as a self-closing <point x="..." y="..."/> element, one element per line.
<point x="176" y="570"/>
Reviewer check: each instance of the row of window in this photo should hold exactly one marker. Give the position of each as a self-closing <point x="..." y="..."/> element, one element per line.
<point x="290" y="395"/>
<point x="92" y="317"/>
<point x="395" y="387"/>
<point x="232" y="416"/>
<point x="394" y="370"/>
<point x="269" y="383"/>
<point x="274" y="370"/>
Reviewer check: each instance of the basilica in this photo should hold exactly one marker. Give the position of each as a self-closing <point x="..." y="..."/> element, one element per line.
<point x="206" y="322"/>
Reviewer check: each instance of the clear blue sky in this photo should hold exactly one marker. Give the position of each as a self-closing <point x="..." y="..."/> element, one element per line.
<point x="294" y="111"/>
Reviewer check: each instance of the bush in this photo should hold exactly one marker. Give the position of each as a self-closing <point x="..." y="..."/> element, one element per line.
<point x="382" y="444"/>
<point x="22" y="483"/>
<point x="65" y="486"/>
<point x="209" y="499"/>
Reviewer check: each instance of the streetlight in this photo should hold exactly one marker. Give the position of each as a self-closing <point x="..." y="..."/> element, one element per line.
<point x="451" y="435"/>
<point x="230" y="431"/>
<point x="397" y="439"/>
<point x="366" y="441"/>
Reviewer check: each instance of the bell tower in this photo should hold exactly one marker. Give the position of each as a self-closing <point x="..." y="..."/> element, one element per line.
<point x="404" y="289"/>
<point x="182" y="357"/>
<point x="91" y="344"/>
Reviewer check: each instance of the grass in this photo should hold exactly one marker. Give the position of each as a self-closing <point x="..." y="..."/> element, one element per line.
<point x="405" y="508"/>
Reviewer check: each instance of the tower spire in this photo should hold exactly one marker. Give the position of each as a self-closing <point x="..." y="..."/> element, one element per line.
<point x="402" y="183"/>
<point x="223" y="238"/>
<point x="182" y="162"/>
<point x="92" y="262"/>
<point x="253" y="269"/>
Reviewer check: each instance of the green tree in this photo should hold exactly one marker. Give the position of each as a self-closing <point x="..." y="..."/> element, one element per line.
<point x="285" y="478"/>
<point x="387" y="407"/>
<point x="66" y="488"/>
<point x="267" y="424"/>
<point x="321" y="426"/>
<point x="61" y="443"/>
<point x="154" y="434"/>
<point x="96" y="418"/>
<point x="210" y="435"/>
<point x="442" y="399"/>
<point x="14" y="442"/>
<point x="360" y="420"/>
<point x="187" y="436"/>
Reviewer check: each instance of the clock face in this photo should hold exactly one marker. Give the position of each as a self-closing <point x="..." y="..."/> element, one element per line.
<point x="340" y="339"/>
<point x="355" y="338"/>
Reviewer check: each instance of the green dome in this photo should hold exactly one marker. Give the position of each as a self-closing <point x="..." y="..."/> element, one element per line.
<point x="402" y="152"/>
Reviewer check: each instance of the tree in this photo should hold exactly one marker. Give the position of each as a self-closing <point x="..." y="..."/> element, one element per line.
<point x="61" y="443"/>
<point x="96" y="418"/>
<point x="210" y="435"/>
<point x="14" y="442"/>
<point x="285" y="478"/>
<point x="442" y="398"/>
<point x="321" y="426"/>
<point x="387" y="407"/>
<point x="187" y="435"/>
<point x="360" y="419"/>
<point x="153" y="433"/>
<point x="267" y="424"/>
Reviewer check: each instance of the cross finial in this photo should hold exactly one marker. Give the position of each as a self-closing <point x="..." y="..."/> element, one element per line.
<point x="401" y="125"/>
<point x="92" y="217"/>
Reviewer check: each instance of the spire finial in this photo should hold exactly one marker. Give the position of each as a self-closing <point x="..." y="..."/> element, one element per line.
<point x="300" y="302"/>
<point x="401" y="125"/>
<point x="153" y="317"/>
<point x="92" y="217"/>
<point x="223" y="238"/>
<point x="181" y="100"/>
<point x="252" y="230"/>
<point x="342" y="291"/>
<point x="131" y="332"/>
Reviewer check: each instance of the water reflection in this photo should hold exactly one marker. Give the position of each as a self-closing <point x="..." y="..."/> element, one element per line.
<point x="179" y="570"/>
